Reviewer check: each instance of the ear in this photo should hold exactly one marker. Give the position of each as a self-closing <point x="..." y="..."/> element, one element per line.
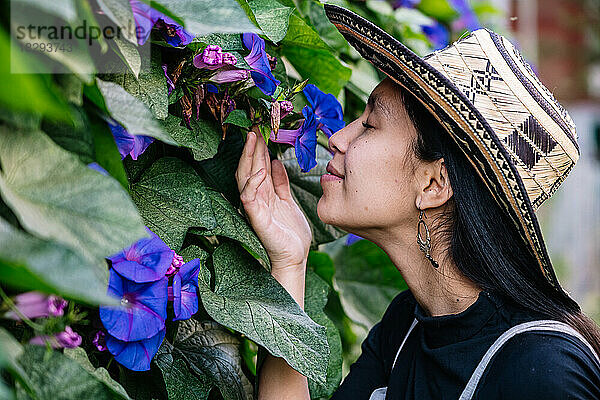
<point x="433" y="185"/>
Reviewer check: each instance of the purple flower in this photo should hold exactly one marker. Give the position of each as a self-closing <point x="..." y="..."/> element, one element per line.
<point x="128" y="144"/>
<point x="467" y="18"/>
<point x="100" y="341"/>
<point x="147" y="260"/>
<point x="327" y="109"/>
<point x="67" y="339"/>
<point x="405" y="3"/>
<point x="212" y="57"/>
<point x="259" y="63"/>
<point x="185" y="290"/>
<point x="135" y="355"/>
<point x="230" y="75"/>
<point x="286" y="108"/>
<point x="143" y="308"/>
<point x="170" y="83"/>
<point x="211" y="88"/>
<point x="145" y="19"/>
<point x="37" y="305"/>
<point x="352" y="238"/>
<point x="437" y="34"/>
<point x="304" y="140"/>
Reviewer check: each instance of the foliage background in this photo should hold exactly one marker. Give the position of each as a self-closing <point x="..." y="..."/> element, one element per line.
<point x="61" y="219"/>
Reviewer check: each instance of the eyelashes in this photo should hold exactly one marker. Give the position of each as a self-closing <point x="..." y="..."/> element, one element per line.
<point x="367" y="126"/>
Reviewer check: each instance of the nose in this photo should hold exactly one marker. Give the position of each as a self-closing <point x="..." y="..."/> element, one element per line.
<point x="339" y="140"/>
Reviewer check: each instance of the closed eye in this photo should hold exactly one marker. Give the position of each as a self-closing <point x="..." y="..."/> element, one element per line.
<point x="367" y="126"/>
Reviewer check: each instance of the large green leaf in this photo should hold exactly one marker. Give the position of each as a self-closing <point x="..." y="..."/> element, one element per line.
<point x="171" y="198"/>
<point x="201" y="17"/>
<point x="57" y="376"/>
<point x="367" y="281"/>
<point x="212" y="354"/>
<point x="57" y="197"/>
<point x="314" y="11"/>
<point x="315" y="298"/>
<point x="30" y="263"/>
<point x="203" y="139"/>
<point x="307" y="190"/>
<point x="131" y="112"/>
<point x="248" y="299"/>
<point x="181" y="383"/>
<point x="232" y="225"/>
<point x="313" y="58"/>
<point x="10" y="351"/>
<point x="272" y="17"/>
<point x="121" y="13"/>
<point x="101" y="374"/>
<point x="150" y="87"/>
<point x="59" y="8"/>
<point x="74" y="136"/>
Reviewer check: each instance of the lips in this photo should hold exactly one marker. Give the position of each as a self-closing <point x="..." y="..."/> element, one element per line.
<point x="333" y="171"/>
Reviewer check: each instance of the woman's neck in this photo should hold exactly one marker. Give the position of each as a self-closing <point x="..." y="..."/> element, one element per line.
<point x="439" y="291"/>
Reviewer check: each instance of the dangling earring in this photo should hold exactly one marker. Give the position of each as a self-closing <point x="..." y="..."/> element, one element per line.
<point x="425" y="246"/>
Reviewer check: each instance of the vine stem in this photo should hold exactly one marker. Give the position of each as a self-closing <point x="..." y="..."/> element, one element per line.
<point x="13" y="307"/>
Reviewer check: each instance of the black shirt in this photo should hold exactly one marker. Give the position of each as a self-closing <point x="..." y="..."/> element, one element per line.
<point x="442" y="352"/>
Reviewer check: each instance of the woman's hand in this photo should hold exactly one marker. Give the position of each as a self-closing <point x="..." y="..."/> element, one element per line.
<point x="265" y="193"/>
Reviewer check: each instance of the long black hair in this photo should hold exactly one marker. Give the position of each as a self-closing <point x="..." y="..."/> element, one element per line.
<point x="483" y="241"/>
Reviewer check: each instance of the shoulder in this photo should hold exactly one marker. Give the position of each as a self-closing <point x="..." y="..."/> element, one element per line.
<point x="542" y="365"/>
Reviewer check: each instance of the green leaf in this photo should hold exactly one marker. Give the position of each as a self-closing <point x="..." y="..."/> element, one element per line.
<point x="239" y="118"/>
<point x="130" y="55"/>
<point x="203" y="139"/>
<point x="10" y="351"/>
<point x="59" y="8"/>
<point x="73" y="136"/>
<point x="180" y="382"/>
<point x="322" y="265"/>
<point x="232" y="225"/>
<point x="212" y="353"/>
<point x="106" y="152"/>
<point x="71" y="86"/>
<point x="313" y="58"/>
<point x="101" y="374"/>
<point x="315" y="295"/>
<point x="226" y="41"/>
<point x="307" y="190"/>
<point x="31" y="263"/>
<point x="201" y="17"/>
<point x="56" y="376"/>
<point x="249" y="300"/>
<point x="367" y="281"/>
<point x="272" y="17"/>
<point x="131" y="112"/>
<point x="57" y="197"/>
<point x="315" y="12"/>
<point x="171" y="198"/>
<point x="438" y="9"/>
<point x="121" y="13"/>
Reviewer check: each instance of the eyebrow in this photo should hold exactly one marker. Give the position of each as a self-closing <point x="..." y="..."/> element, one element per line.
<point x="376" y="101"/>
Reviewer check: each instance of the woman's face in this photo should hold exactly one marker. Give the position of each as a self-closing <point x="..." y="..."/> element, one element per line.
<point x="376" y="189"/>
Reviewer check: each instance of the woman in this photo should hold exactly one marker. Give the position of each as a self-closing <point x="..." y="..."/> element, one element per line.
<point x="457" y="151"/>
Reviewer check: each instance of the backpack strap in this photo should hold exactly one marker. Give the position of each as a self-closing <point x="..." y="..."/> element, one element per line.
<point x="412" y="326"/>
<point x="541" y="325"/>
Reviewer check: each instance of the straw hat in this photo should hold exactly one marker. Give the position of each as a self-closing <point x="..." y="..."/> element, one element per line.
<point x="520" y="140"/>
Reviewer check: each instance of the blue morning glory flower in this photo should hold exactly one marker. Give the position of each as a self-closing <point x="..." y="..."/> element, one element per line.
<point x="437" y="34"/>
<point x="128" y="144"/>
<point x="352" y="238"/>
<point x="185" y="290"/>
<point x="143" y="308"/>
<point x="259" y="64"/>
<point x="304" y="140"/>
<point x="147" y="260"/>
<point x="136" y="355"/>
<point x="327" y="109"/>
<point x="146" y="17"/>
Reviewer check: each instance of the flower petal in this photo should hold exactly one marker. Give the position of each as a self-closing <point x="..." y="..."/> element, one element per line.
<point x="146" y="260"/>
<point x="136" y="355"/>
<point x="258" y="61"/>
<point x="306" y="143"/>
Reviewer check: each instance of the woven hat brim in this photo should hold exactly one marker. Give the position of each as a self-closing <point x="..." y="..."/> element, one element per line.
<point x="458" y="115"/>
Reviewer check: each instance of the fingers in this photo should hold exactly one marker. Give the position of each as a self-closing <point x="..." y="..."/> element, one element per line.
<point x="244" y="166"/>
<point x="258" y="159"/>
<point x="248" y="193"/>
<point x="281" y="182"/>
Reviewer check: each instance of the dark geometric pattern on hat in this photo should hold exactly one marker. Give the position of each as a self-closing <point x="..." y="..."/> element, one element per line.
<point x="543" y="103"/>
<point x="530" y="155"/>
<point x="481" y="81"/>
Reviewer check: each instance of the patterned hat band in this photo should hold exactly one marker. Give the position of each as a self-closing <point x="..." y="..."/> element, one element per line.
<point x="519" y="139"/>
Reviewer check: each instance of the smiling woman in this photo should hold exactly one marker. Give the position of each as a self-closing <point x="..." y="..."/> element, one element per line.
<point x="429" y="160"/>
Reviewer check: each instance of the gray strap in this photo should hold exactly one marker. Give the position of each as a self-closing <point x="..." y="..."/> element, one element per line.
<point x="412" y="326"/>
<point x="541" y="325"/>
